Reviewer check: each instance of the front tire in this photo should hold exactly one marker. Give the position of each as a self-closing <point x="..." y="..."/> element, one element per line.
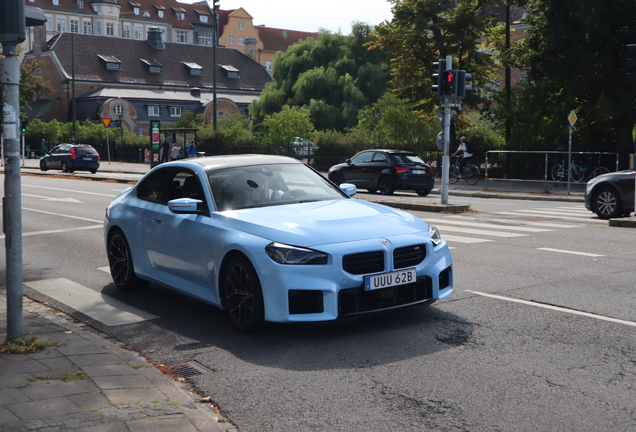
<point x="453" y="174"/>
<point x="385" y="186"/>
<point x="120" y="262"/>
<point x="243" y="295"/>
<point x="336" y="178"/>
<point x="607" y="203"/>
<point x="43" y="166"/>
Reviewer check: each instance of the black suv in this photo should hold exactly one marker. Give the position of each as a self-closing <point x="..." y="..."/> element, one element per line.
<point x="385" y="171"/>
<point x="71" y="157"/>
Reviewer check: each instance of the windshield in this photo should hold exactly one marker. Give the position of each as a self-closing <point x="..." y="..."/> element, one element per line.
<point x="269" y="185"/>
<point x="407" y="158"/>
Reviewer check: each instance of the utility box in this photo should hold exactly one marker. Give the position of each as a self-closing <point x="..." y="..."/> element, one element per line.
<point x="631" y="160"/>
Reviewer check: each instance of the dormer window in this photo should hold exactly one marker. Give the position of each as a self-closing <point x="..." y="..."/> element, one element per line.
<point x="229" y="71"/>
<point x="194" y="68"/>
<point x="152" y="66"/>
<point x="56" y="2"/>
<point x="80" y="4"/>
<point x="203" y="18"/>
<point x="179" y="13"/>
<point x="110" y="62"/>
<point x="161" y="11"/>
<point x="136" y="10"/>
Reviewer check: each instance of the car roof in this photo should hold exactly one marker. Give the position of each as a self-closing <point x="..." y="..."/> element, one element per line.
<point x="231" y="161"/>
<point x="390" y="151"/>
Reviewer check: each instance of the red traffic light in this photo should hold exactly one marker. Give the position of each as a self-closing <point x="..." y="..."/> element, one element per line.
<point x="448" y="77"/>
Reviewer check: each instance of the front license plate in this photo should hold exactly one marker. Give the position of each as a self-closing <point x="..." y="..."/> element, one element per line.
<point x="387" y="280"/>
<point x="420" y="172"/>
<point x="88" y="158"/>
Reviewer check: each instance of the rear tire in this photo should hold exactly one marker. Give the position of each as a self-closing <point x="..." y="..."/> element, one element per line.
<point x="558" y="172"/>
<point x="121" y="264"/>
<point x="599" y="171"/>
<point x="385" y="186"/>
<point x="607" y="203"/>
<point x="423" y="192"/>
<point x="471" y="174"/>
<point x="243" y="295"/>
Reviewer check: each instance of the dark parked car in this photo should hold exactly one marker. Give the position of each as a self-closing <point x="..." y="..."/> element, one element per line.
<point x="611" y="195"/>
<point x="71" y="157"/>
<point x="385" y="171"/>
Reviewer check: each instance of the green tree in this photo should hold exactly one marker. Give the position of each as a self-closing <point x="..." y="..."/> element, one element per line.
<point x="334" y="76"/>
<point x="574" y="53"/>
<point x="424" y="31"/>
<point x="31" y="87"/>
<point x="284" y="126"/>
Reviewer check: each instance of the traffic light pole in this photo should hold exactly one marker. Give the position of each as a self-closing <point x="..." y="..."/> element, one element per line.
<point x="12" y="217"/>
<point x="446" y="139"/>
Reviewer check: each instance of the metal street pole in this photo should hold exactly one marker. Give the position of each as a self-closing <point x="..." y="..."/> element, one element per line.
<point x="446" y="140"/>
<point x="215" y="42"/>
<point x="12" y="202"/>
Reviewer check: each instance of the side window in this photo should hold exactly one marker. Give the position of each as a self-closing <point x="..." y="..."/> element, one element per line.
<point x="151" y="189"/>
<point x="380" y="157"/>
<point x="362" y="157"/>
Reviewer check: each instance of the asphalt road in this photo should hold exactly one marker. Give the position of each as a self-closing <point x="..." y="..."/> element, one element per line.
<point x="538" y="335"/>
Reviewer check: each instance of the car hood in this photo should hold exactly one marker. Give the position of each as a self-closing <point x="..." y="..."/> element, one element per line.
<point x="323" y="222"/>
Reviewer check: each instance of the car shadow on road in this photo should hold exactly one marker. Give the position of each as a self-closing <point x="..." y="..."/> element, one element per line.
<point x="188" y="328"/>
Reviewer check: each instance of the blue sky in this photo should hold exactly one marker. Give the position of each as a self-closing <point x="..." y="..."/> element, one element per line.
<point x="333" y="15"/>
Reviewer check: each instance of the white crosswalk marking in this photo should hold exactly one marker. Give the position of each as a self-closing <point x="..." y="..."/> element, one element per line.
<point x="493" y="233"/>
<point x="487" y="225"/>
<point x="582" y="218"/>
<point x="459" y="239"/>
<point x="508" y="221"/>
<point x="94" y="304"/>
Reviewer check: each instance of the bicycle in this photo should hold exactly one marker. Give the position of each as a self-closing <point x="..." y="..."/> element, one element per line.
<point x="575" y="172"/>
<point x="471" y="173"/>
<point x="595" y="170"/>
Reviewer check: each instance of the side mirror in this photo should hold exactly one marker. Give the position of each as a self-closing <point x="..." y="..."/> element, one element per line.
<point x="348" y="161"/>
<point x="349" y="189"/>
<point x="185" y="206"/>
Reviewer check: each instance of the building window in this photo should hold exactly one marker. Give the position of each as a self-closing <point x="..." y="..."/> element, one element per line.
<point x="231" y="40"/>
<point x="138" y="33"/>
<point x="153" y="111"/>
<point x="241" y="26"/>
<point x="80" y="4"/>
<point x="49" y="23"/>
<point x="98" y="28"/>
<point x="110" y="29"/>
<point x="163" y="35"/>
<point x="204" y="39"/>
<point x="161" y="14"/>
<point x="180" y="16"/>
<point x="110" y="9"/>
<point x="136" y="10"/>
<point x="203" y="18"/>
<point x="182" y="36"/>
<point x="119" y="110"/>
<point x="241" y="40"/>
<point x="268" y="65"/>
<point x="61" y="25"/>
<point x="74" y="26"/>
<point x="175" y="111"/>
<point x="88" y="27"/>
<point x="125" y="31"/>
<point x="98" y="8"/>
<point x="56" y="2"/>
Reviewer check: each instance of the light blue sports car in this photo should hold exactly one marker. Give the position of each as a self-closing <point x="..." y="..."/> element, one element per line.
<point x="270" y="239"/>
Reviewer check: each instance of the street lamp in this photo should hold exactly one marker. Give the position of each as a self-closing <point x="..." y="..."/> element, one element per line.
<point x="215" y="6"/>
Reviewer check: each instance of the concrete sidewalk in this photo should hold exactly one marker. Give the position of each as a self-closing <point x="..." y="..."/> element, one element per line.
<point x="90" y="383"/>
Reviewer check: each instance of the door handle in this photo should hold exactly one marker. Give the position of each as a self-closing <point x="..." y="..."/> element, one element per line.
<point x="156" y="220"/>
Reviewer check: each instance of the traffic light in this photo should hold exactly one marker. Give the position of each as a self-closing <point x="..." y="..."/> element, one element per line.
<point x="449" y="83"/>
<point x="630" y="63"/>
<point x="462" y="88"/>
<point x="23" y="126"/>
<point x="439" y="66"/>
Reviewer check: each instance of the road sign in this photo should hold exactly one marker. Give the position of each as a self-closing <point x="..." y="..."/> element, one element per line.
<point x="115" y="123"/>
<point x="572" y="118"/>
<point x="106" y="122"/>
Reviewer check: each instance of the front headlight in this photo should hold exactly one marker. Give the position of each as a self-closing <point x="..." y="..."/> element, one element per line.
<point x="285" y="254"/>
<point x="436" y="238"/>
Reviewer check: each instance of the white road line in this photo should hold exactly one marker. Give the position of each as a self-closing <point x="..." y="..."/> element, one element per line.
<point x="63" y="215"/>
<point x="57" y="231"/>
<point x="551" y="216"/>
<point x="460" y="239"/>
<point x="104" y="269"/>
<point x="96" y="305"/>
<point x="45" y="198"/>
<point x="544" y="224"/>
<point x="570" y="252"/>
<point x="558" y="213"/>
<point x="488" y="225"/>
<point x="69" y="190"/>
<point x="555" y="308"/>
<point x="493" y="233"/>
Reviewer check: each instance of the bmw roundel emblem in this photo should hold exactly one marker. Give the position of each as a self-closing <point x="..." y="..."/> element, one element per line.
<point x="384" y="241"/>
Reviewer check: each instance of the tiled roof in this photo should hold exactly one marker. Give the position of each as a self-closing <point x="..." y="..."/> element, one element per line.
<point x="89" y="67"/>
<point x="279" y="39"/>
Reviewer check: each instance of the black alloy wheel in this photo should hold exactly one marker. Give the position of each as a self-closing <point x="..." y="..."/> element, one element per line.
<point x="64" y="167"/>
<point x="121" y="263"/>
<point x="423" y="192"/>
<point x="385" y="186"/>
<point x="607" y="203"/>
<point x="43" y="166"/>
<point x="243" y="295"/>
